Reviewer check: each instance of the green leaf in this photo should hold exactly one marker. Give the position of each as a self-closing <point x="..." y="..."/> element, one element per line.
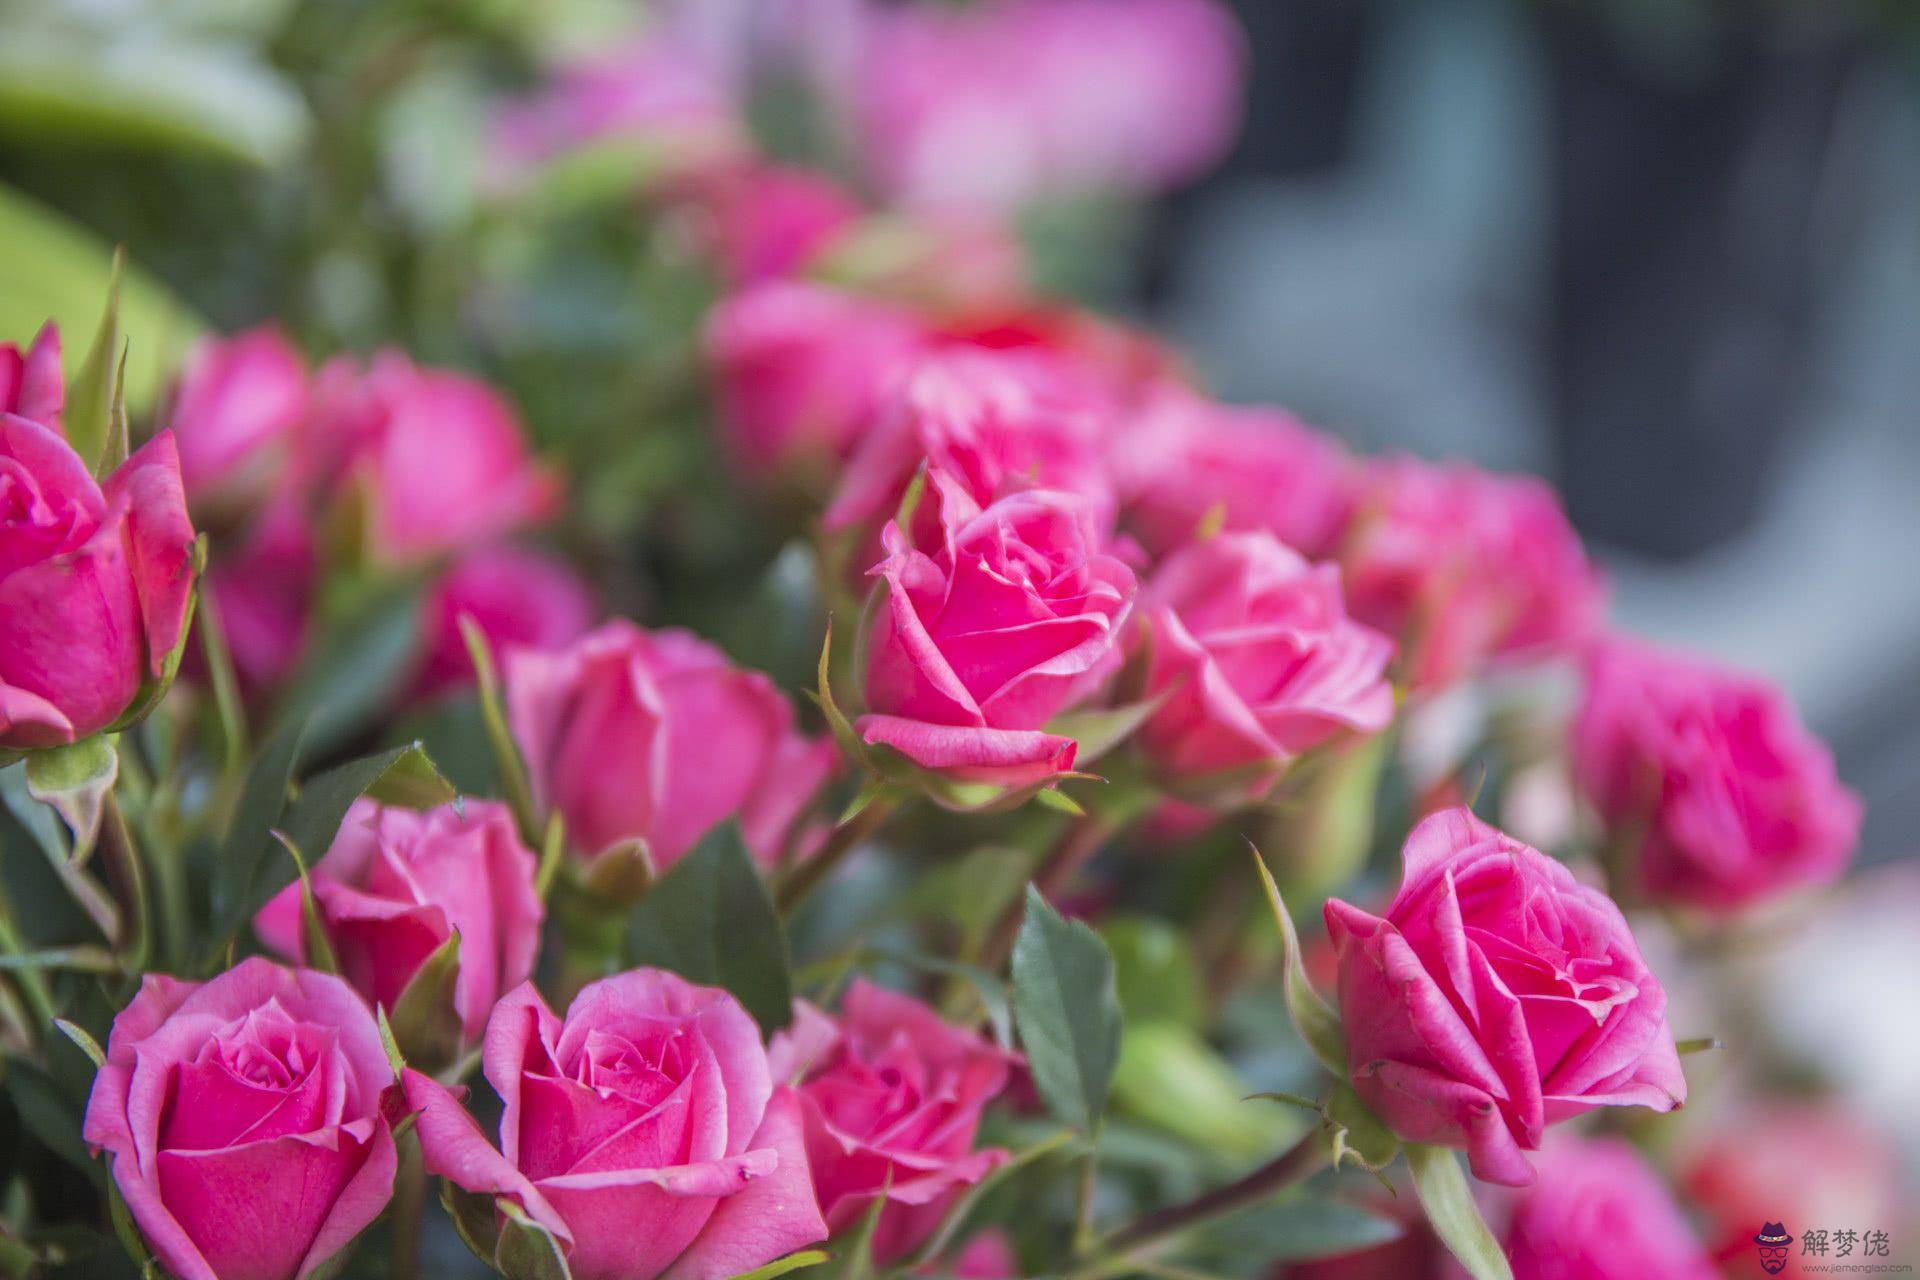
<point x="356" y="666"/>
<point x="263" y="796"/>
<point x="527" y="1250"/>
<point x="89" y="410"/>
<point x="74" y="781"/>
<point x="792" y="1262"/>
<point x="710" y="919"/>
<point x="1068" y="1010"/>
<point x="425" y="1025"/>
<point x="1300" y="1229"/>
<point x="1172" y="1079"/>
<point x="1700" y="1044"/>
<point x="1312" y="1018"/>
<point x="474" y="1217"/>
<point x="83" y="1041"/>
<point x="837" y="722"/>
<point x="315" y="816"/>
<point x="229" y="710"/>
<point x="313" y="926"/>
<point x="508" y="762"/>
<point x="1442" y="1187"/>
<point x="1059" y="802"/>
<point x="1354" y="1131"/>
<point x="52" y="1113"/>
<point x="1156" y="971"/>
<point x="1322" y="836"/>
<point x="414" y="782"/>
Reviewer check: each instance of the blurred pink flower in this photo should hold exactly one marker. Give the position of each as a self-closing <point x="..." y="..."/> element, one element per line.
<point x="770" y="221"/>
<point x="239" y="403"/>
<point x="518" y="598"/>
<point x="263" y="588"/>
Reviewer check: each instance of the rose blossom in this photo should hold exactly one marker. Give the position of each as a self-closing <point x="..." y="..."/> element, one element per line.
<point x="1597" y="1211"/>
<point x="1185" y="461"/>
<point x="654" y="735"/>
<point x="643" y="1130"/>
<point x="1256" y="660"/>
<point x="1497" y="996"/>
<point x="438" y="458"/>
<point x="95" y="578"/>
<point x="516" y="597"/>
<point x="767" y="222"/>
<point x="31" y="384"/>
<point x="891" y="1097"/>
<point x="1464" y="566"/>
<point x="1011" y="616"/>
<point x="1724" y="796"/>
<point x="244" y="1120"/>
<point x="239" y="402"/>
<point x="396" y="885"/>
<point x="801" y="370"/>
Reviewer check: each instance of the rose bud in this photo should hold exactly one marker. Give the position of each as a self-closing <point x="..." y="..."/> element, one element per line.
<point x="801" y="370"/>
<point x="244" y="1120"/>
<point x="517" y="598"/>
<point x="239" y="403"/>
<point x="655" y="736"/>
<point x="1498" y="995"/>
<point x="643" y="1132"/>
<point x="438" y="459"/>
<point x="1011" y="616"/>
<point x="31" y="383"/>
<point x="395" y="887"/>
<point x="1600" y="1212"/>
<point x="263" y="589"/>
<point x="95" y="580"/>
<point x="1256" y="661"/>
<point x="1718" y="795"/>
<point x="1185" y="463"/>
<point x="892" y="1097"/>
<point x="1464" y="567"/>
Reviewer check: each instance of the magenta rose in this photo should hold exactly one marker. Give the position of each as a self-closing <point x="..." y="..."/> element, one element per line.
<point x="1497" y="996"/>
<point x="643" y="1131"/>
<point x="1717" y="794"/>
<point x="802" y="369"/>
<point x="892" y="1097"/>
<point x="395" y="887"/>
<point x="1010" y="616"/>
<point x="1599" y="1212"/>
<point x="1185" y="463"/>
<point x="438" y="459"/>
<point x="769" y="221"/>
<point x="31" y="383"/>
<point x="240" y="402"/>
<point x="1464" y="566"/>
<point x="655" y="736"/>
<point x="1256" y="661"/>
<point x="518" y="598"/>
<point x="244" y="1119"/>
<point x="95" y="580"/>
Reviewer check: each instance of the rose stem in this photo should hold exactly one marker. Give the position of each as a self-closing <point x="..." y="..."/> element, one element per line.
<point x="1079" y="842"/>
<point x="1299" y="1162"/>
<point x="409" y="1202"/>
<point x="841" y="841"/>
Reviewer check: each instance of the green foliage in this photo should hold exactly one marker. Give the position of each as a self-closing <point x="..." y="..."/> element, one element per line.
<point x="1442" y="1187"/>
<point x="1068" y="1010"/>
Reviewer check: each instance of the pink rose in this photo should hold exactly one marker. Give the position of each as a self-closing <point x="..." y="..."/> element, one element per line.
<point x="438" y="458"/>
<point x="643" y="1131"/>
<point x="239" y="403"/>
<point x="1185" y="462"/>
<point x="1497" y="996"/>
<point x="1464" y="566"/>
<point x="263" y="589"/>
<point x="518" y="598"/>
<point x="1012" y="616"/>
<point x="988" y="1256"/>
<point x="396" y="885"/>
<point x="1600" y="1213"/>
<point x="1257" y="660"/>
<point x="1725" y="797"/>
<point x="655" y="736"/>
<point x="892" y="1098"/>
<point x="769" y="222"/>
<point x="244" y="1120"/>
<point x="31" y="384"/>
<point x="94" y="579"/>
<point x="802" y="369"/>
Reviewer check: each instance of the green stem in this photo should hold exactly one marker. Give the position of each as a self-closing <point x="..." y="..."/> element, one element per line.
<point x="409" y="1203"/>
<point x="1076" y="845"/>
<point x="1083" y="1197"/>
<point x="841" y="841"/>
<point x="1296" y="1164"/>
<point x="32" y="983"/>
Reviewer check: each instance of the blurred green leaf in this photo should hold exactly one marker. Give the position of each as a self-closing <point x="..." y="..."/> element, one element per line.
<point x="792" y="1262"/>
<point x="74" y="781"/>
<point x="1448" y="1200"/>
<point x="88" y="415"/>
<point x="356" y="666"/>
<point x="1300" y="1229"/>
<point x="1158" y="977"/>
<point x="1169" y="1077"/>
<point x="1316" y="1023"/>
<point x="425" y="1024"/>
<point x="526" y="1250"/>
<point x="1068" y="1011"/>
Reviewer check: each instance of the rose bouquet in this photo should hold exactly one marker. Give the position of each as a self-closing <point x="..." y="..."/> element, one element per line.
<point x="893" y="779"/>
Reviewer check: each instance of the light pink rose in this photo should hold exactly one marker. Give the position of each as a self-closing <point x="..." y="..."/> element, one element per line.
<point x="644" y="1131"/>
<point x="654" y="735"/>
<point x="988" y="1256"/>
<point x="801" y="370"/>
<point x="1010" y="615"/>
<point x="239" y="403"/>
<point x="31" y="383"/>
<point x="770" y="221"/>
<point x="1464" y="566"/>
<point x="263" y="588"/>
<point x="1185" y="462"/>
<point x="438" y="458"/>
<point x="1723" y="797"/>
<point x="1256" y="659"/>
<point x="892" y="1097"/>
<point x="1599" y="1212"/>
<point x="245" y="1122"/>
<point x="395" y="886"/>
<point x="518" y="598"/>
<point x="95" y="578"/>
<point x="1496" y="997"/>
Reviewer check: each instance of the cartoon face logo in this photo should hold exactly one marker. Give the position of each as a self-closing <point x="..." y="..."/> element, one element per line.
<point x="1772" y="1241"/>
